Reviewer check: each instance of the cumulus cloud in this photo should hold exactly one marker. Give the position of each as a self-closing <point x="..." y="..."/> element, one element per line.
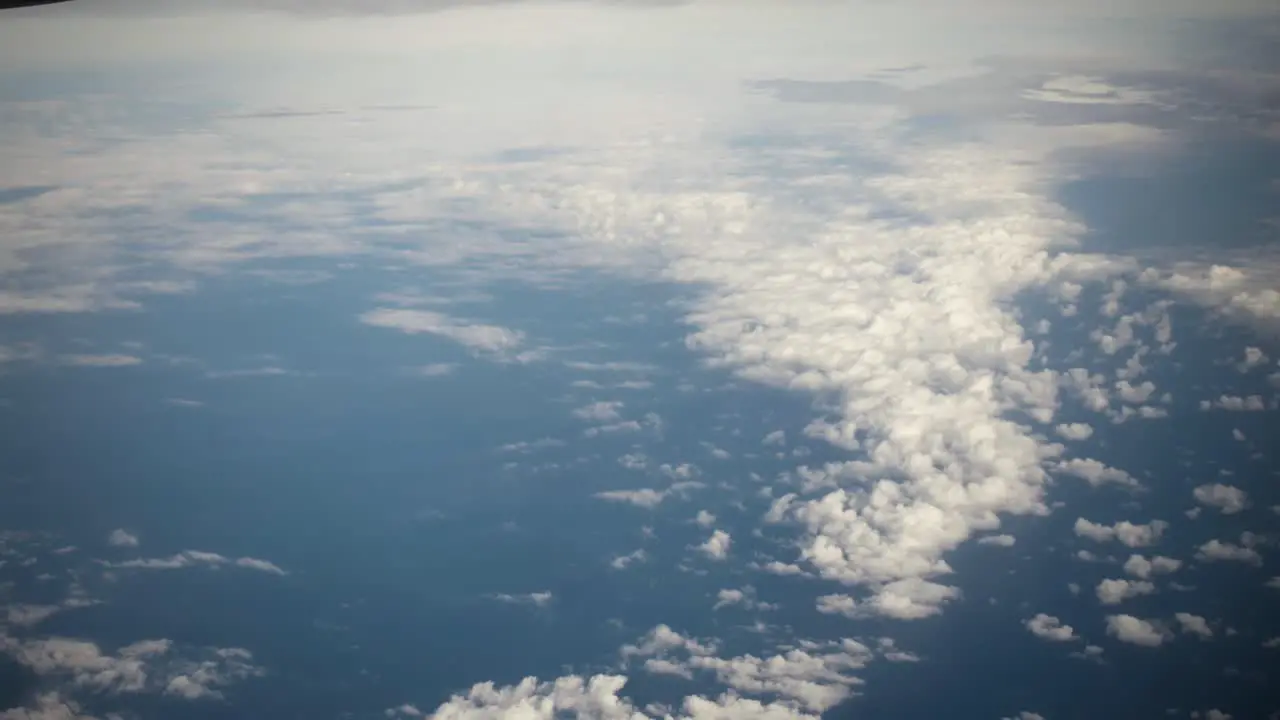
<point x="1051" y="628"/>
<point x="474" y="336"/>
<point x="1096" y="473"/>
<point x="1144" y="569"/>
<point x="536" y="599"/>
<point x="1116" y="591"/>
<point x="1127" y="533"/>
<point x="1228" y="499"/>
<point x="111" y="360"/>
<point x="1000" y="540"/>
<point x="1194" y="625"/>
<point x="716" y="547"/>
<point x="122" y="538"/>
<point x="1216" y="550"/>
<point x="198" y="558"/>
<point x="1075" y="431"/>
<point x="1136" y="631"/>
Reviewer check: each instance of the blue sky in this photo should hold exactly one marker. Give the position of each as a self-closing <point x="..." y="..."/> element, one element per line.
<point x="691" y="360"/>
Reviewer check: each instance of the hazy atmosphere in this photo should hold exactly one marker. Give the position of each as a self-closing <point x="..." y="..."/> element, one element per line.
<point x="616" y="360"/>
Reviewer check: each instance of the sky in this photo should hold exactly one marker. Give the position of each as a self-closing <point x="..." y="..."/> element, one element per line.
<point x="625" y="360"/>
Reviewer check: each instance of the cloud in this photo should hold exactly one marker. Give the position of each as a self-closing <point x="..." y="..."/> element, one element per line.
<point x="1116" y="591"/>
<point x="648" y="497"/>
<point x="1235" y="403"/>
<point x="1227" y="499"/>
<point x="1096" y="473"/>
<point x="47" y="706"/>
<point x="1143" y="569"/>
<point x="99" y="360"/>
<point x="1129" y="629"/>
<point x="195" y="558"/>
<point x="716" y="547"/>
<point x="1194" y="625"/>
<point x="122" y="538"/>
<point x="1049" y="627"/>
<point x="1000" y="540"/>
<point x="600" y="412"/>
<point x="536" y="599"/>
<point x="1216" y="550"/>
<point x="473" y="336"/>
<point x="621" y="562"/>
<point x="1075" y="431"/>
<point x="1127" y="533"/>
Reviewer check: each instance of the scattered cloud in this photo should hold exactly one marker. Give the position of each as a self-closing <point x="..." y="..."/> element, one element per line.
<point x="536" y="599"/>
<point x="1116" y="591"/>
<point x="716" y="547"/>
<point x="1216" y="550"/>
<point x="1194" y="625"/>
<point x="122" y="538"/>
<point x="1228" y="499"/>
<point x="1135" y="631"/>
<point x="99" y="360"/>
<point x="1049" y="627"/>
<point x="473" y="336"/>
<point x="1000" y="540"/>
<point x="1144" y="569"/>
<point x="198" y="558"/>
<point x="1127" y="533"/>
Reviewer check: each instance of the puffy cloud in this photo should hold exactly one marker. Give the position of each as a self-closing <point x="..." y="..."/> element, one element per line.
<point x="47" y="706"/>
<point x="473" y="336"/>
<point x="716" y="547"/>
<point x="1050" y="628"/>
<point x="1227" y="498"/>
<point x="1000" y="540"/>
<point x="1235" y="403"/>
<point x="1075" y="431"/>
<point x="196" y="558"/>
<point x="648" y="497"/>
<point x="1129" y="629"/>
<point x="600" y="412"/>
<point x="536" y="599"/>
<point x="622" y="562"/>
<point x="1216" y="550"/>
<point x="1127" y="533"/>
<point x="1096" y="473"/>
<point x="1194" y="625"/>
<point x="113" y="360"/>
<point x="122" y="538"/>
<point x="1143" y="569"/>
<point x="1116" y="591"/>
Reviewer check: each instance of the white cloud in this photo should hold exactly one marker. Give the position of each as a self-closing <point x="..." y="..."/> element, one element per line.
<point x="473" y="336"/>
<point x="1000" y="540"/>
<point x="648" y="497"/>
<point x="1127" y="533"/>
<point x="122" y="538"/>
<point x="1236" y="403"/>
<point x="1227" y="498"/>
<point x="1194" y="625"/>
<point x="1075" y="431"/>
<point x="536" y="599"/>
<point x="621" y="562"/>
<point x="600" y="412"/>
<point x="1095" y="472"/>
<point x="195" y="558"/>
<point x="705" y="519"/>
<point x="1050" y="628"/>
<point x="1253" y="357"/>
<point x="47" y="706"/>
<point x="1143" y="569"/>
<point x="1115" y="591"/>
<point x="112" y="360"/>
<point x="1129" y="629"/>
<point x="1216" y="550"/>
<point x="716" y="547"/>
